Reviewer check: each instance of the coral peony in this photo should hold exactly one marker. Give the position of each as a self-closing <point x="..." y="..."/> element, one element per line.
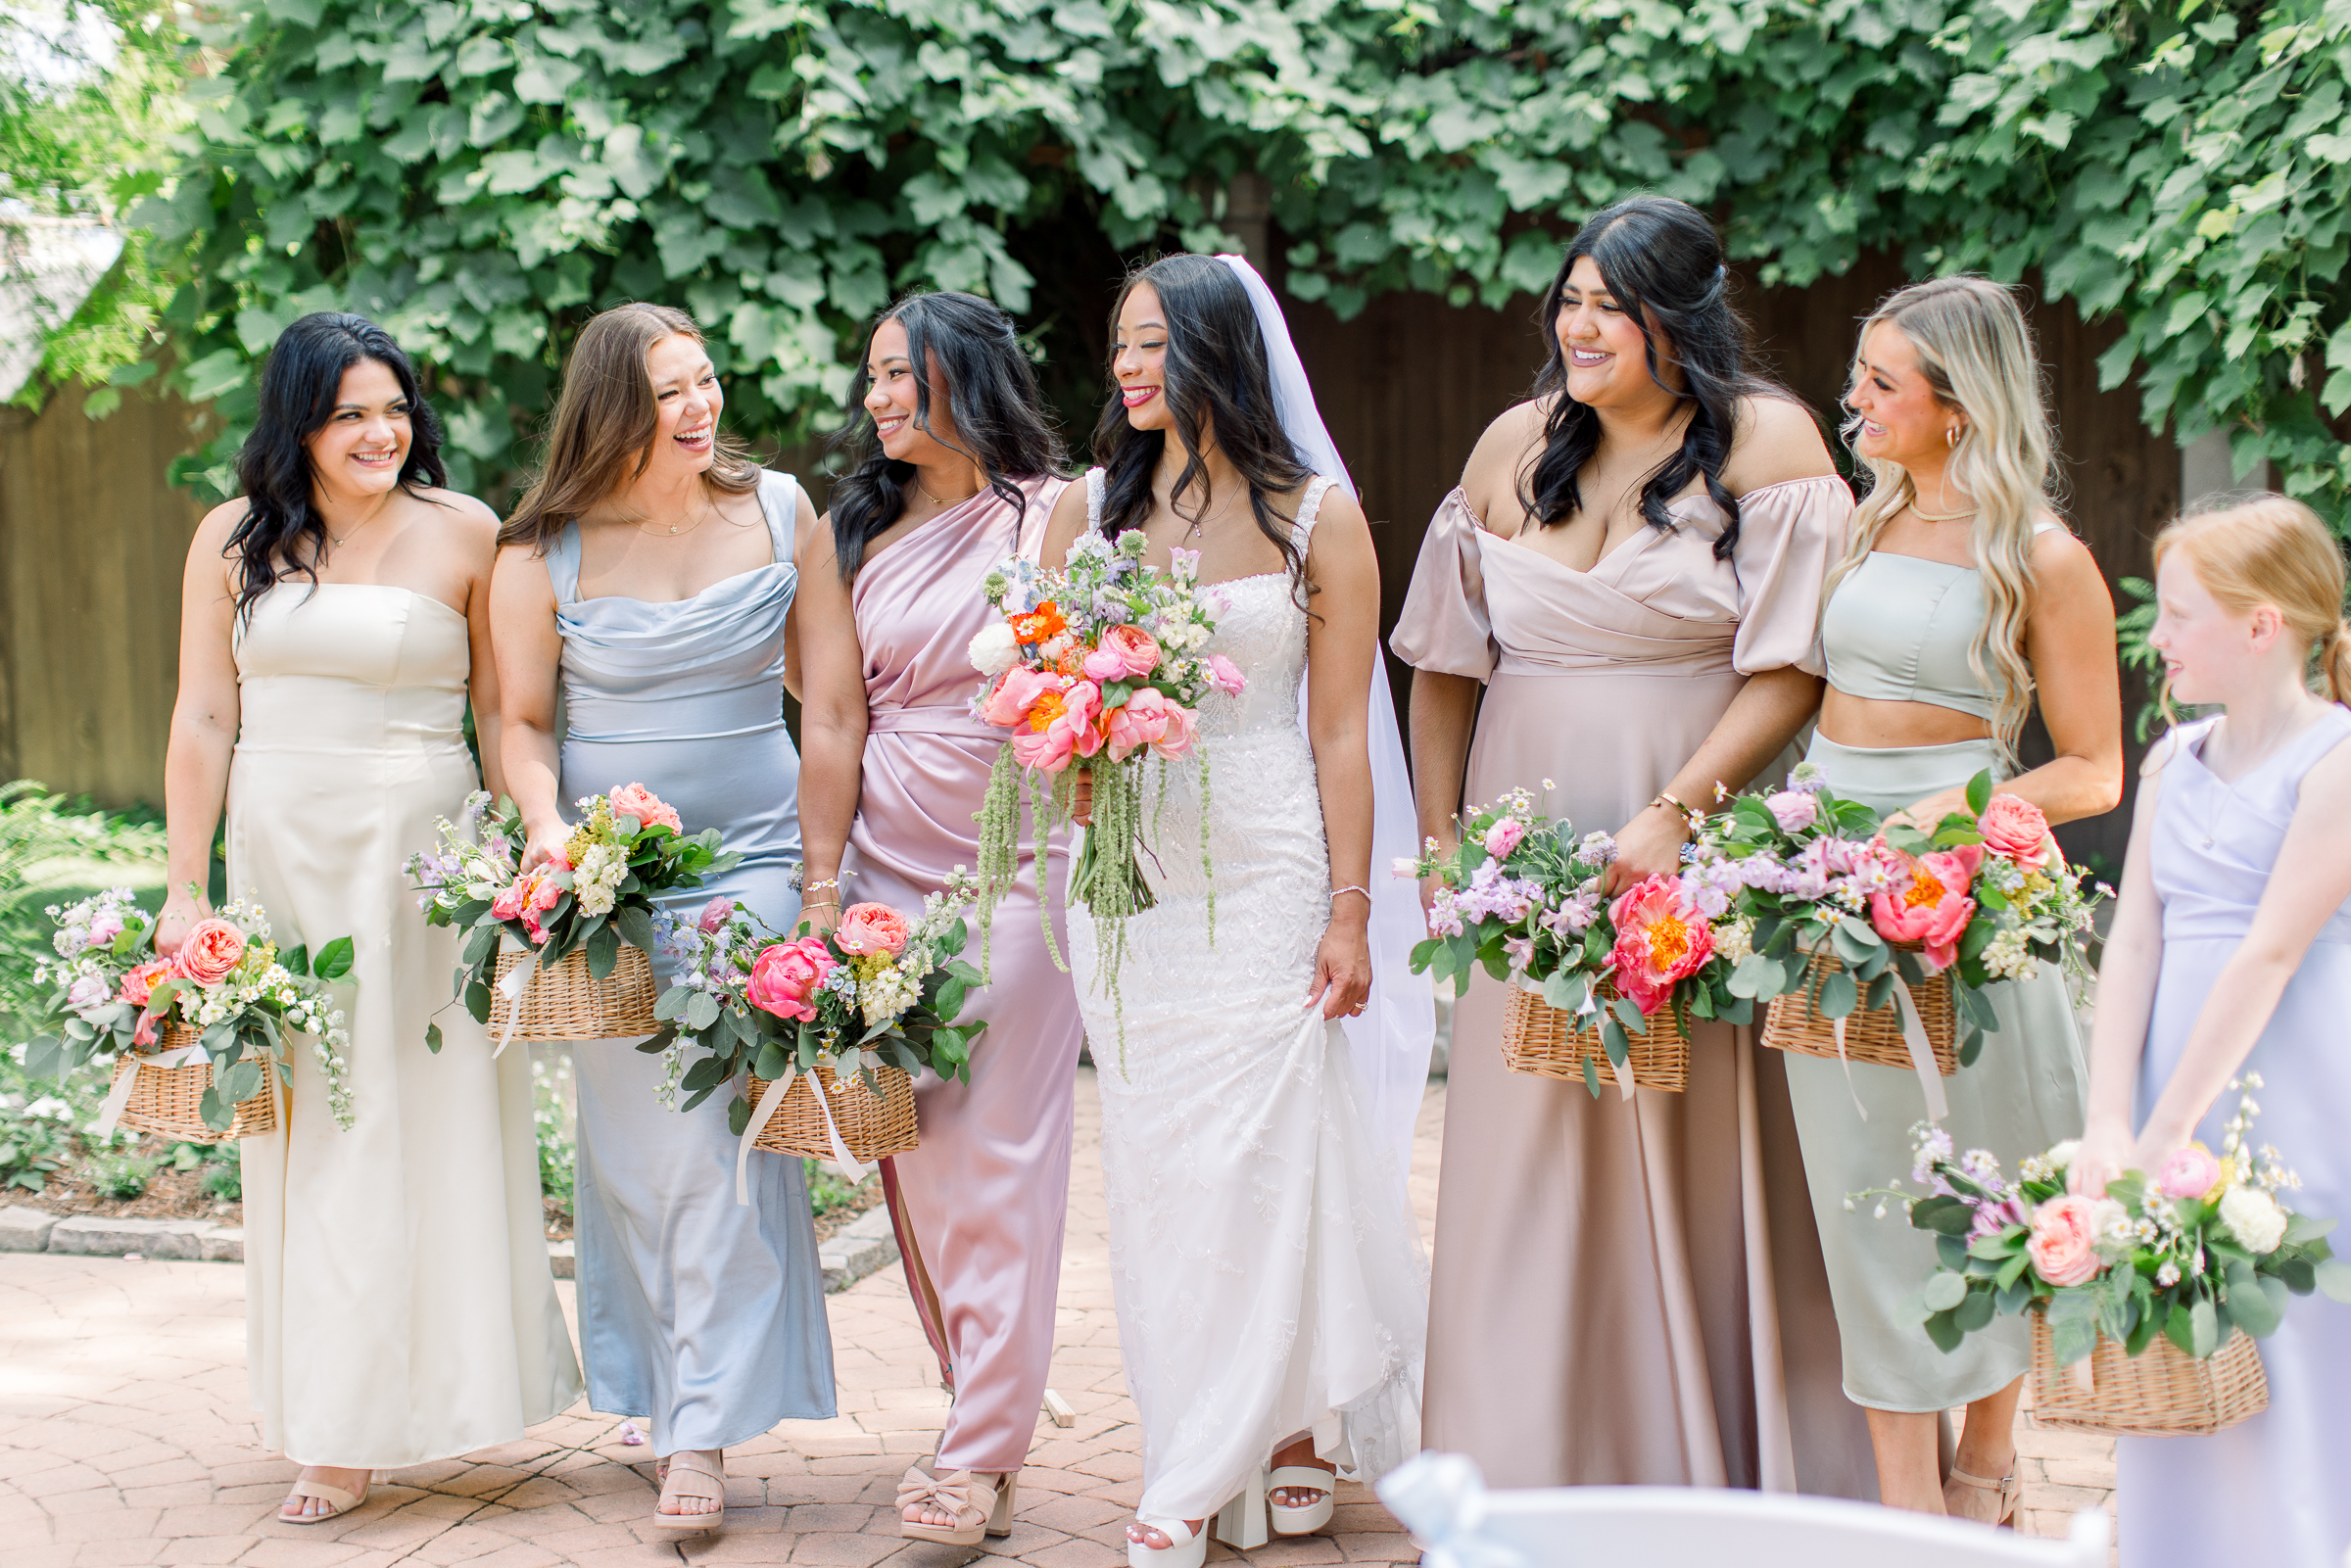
<point x="871" y="929"/>
<point x="1927" y="904"/>
<point x="2189" y="1172"/>
<point x="1183" y="728"/>
<point x="1794" y="810"/>
<point x="1226" y="676"/>
<point x="214" y="948"/>
<point x="139" y="983"/>
<point x="785" y="975"/>
<point x="634" y="800"/>
<point x="2016" y="831"/>
<point x="993" y="649"/>
<point x="1009" y="703"/>
<point x="2064" y="1245"/>
<point x="1061" y="725"/>
<point x="1141" y="722"/>
<point x="1659" y="942"/>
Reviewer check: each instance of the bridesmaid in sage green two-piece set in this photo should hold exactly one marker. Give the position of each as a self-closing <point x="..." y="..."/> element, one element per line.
<point x="1959" y="598"/>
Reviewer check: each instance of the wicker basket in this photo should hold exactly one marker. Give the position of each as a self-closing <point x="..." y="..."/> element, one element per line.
<point x="2162" y="1391"/>
<point x="568" y="1003"/>
<point x="1539" y="1038"/>
<point x="871" y="1128"/>
<point x="170" y="1100"/>
<point x="1792" y="1023"/>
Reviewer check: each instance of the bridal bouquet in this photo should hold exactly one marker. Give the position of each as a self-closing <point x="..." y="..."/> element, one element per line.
<point x="879" y="992"/>
<point x="1092" y="668"/>
<point x="2202" y="1248"/>
<point x="1983" y="897"/>
<point x="230" y="993"/>
<point x="628" y="847"/>
<point x="1523" y="898"/>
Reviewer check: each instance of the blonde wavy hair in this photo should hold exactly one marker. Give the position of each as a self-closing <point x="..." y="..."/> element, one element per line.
<point x="2250" y="549"/>
<point x="1977" y="355"/>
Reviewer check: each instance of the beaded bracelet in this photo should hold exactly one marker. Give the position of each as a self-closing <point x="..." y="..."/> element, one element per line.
<point x="1336" y="891"/>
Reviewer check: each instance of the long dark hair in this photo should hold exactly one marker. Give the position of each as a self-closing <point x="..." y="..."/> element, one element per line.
<point x="602" y="435"/>
<point x="1217" y="383"/>
<point x="992" y="398"/>
<point x="300" y="382"/>
<point x="1662" y="262"/>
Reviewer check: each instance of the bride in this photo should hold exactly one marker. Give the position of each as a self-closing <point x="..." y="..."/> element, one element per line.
<point x="1270" y="1292"/>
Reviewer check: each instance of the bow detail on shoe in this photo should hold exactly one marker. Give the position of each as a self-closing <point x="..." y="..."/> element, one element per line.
<point x="929" y="1492"/>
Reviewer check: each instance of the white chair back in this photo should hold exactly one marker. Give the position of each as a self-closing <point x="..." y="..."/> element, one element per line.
<point x="1462" y="1525"/>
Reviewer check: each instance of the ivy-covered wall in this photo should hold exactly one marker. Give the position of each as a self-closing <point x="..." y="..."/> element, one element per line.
<point x="481" y="175"/>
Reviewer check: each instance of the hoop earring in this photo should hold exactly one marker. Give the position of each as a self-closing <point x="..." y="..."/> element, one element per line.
<point x="1950" y="438"/>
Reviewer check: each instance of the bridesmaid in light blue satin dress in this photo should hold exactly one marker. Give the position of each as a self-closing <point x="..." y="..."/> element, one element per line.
<point x="704" y="1316"/>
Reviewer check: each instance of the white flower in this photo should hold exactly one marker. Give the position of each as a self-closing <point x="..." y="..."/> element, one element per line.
<point x="1735" y="939"/>
<point x="2061" y="1158"/>
<point x="2168" y="1275"/>
<point x="2253" y="1217"/>
<point x="993" y="649"/>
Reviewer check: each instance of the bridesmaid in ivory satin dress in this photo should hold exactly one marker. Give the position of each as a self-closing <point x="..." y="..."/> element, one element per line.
<point x="648" y="572"/>
<point x="334" y="622"/>
<point x="955" y="471"/>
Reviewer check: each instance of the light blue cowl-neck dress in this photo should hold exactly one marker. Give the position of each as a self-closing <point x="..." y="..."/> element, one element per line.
<point x="705" y="1316"/>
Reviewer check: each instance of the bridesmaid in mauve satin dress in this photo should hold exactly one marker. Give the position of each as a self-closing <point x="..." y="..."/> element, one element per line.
<point x="952" y="479"/>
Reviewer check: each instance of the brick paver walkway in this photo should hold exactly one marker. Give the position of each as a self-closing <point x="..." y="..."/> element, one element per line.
<point x="124" y="1438"/>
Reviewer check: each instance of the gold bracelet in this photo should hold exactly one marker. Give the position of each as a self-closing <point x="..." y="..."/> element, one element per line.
<point x="1666" y="798"/>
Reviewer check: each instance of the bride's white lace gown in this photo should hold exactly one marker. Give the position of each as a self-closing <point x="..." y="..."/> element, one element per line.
<point x="1268" y="1274"/>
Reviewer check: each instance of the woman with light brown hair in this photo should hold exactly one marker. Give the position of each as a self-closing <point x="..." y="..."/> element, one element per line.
<point x="649" y="574"/>
<point x="1959" y="600"/>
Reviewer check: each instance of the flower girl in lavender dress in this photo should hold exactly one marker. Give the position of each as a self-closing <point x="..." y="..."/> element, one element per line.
<point x="2217" y="968"/>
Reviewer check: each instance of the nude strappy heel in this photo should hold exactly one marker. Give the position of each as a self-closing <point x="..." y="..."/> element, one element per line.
<point x="2005" y="1492"/>
<point x="979" y="1508"/>
<point x="690" y="1475"/>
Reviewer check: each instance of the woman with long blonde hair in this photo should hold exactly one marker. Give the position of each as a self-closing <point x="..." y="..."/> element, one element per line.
<point x="1960" y="599"/>
<point x="2215" y="967"/>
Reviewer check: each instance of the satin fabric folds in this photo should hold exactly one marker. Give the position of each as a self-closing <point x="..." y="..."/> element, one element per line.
<point x="398" y="1307"/>
<point x="1627" y="1292"/>
<point x="979" y="1207"/>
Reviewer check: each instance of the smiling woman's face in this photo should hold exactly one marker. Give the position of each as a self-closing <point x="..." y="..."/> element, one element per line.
<point x="1902" y="420"/>
<point x="1140" y="359"/>
<point x="687" y="401"/>
<point x="1607" y="355"/>
<point x="360" y="449"/>
<point x="892" y="402"/>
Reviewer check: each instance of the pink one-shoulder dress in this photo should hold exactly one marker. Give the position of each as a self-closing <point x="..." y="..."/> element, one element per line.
<point x="979" y="1207"/>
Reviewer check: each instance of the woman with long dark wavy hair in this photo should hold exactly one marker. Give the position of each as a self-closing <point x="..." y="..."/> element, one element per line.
<point x="1628" y="1289"/>
<point x="954" y="468"/>
<point x="1263" y="1253"/>
<point x="333" y="624"/>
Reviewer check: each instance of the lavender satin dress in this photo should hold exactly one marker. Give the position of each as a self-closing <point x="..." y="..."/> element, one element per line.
<point x="980" y="1207"/>
<point x="2272" y="1490"/>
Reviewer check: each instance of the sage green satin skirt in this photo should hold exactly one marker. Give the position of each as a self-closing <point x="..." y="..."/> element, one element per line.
<point x="2024" y="1093"/>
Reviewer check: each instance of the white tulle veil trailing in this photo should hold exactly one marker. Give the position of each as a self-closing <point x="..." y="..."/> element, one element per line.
<point x="1390" y="1043"/>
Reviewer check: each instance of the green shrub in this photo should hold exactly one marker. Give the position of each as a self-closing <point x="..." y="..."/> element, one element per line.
<point x="550" y="1118"/>
<point x="227" y="1182"/>
<point x="31" y="1149"/>
<point x="118" y="1175"/>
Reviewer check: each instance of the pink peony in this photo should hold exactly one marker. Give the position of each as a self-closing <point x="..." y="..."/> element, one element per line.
<point x="2015" y="830"/>
<point x="1504" y="836"/>
<point x="138" y="983"/>
<point x="1928" y="906"/>
<point x="1225" y="676"/>
<point x="871" y="929"/>
<point x="1009" y="703"/>
<point x="1659" y="942"/>
<point x="512" y="899"/>
<point x="785" y="975"/>
<point x="1794" y="810"/>
<point x="1184" y="728"/>
<point x="214" y="948"/>
<point x="715" y="915"/>
<point x="634" y="800"/>
<point x="2189" y="1172"/>
<point x="2063" y="1247"/>
<point x="1143" y="721"/>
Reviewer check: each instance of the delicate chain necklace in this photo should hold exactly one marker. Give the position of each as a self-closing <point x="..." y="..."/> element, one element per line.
<point x="354" y="533"/>
<point x="921" y="490"/>
<point x="673" y="529"/>
<point x="1204" y="518"/>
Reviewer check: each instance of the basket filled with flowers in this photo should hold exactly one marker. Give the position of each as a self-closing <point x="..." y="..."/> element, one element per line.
<point x="560" y="952"/>
<point x="195" y="1039"/>
<point x="829" y="1030"/>
<point x="2145" y="1301"/>
<point x="1873" y="942"/>
<point x="1597" y="985"/>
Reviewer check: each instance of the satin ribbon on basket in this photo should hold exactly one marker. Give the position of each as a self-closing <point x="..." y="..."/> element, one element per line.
<point x="517" y="980"/>
<point x="119" y="1095"/>
<point x="771" y="1098"/>
<point x="1914" y="1038"/>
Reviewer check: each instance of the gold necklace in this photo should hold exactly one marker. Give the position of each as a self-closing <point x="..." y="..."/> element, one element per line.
<point x="673" y="529"/>
<point x="354" y="533"/>
<point x="935" y="500"/>
<point x="1926" y="516"/>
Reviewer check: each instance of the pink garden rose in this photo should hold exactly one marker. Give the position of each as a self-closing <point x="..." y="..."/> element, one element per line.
<point x="1659" y="942"/>
<point x="1009" y="703"/>
<point x="1794" y="810"/>
<point x="2015" y="830"/>
<point x="1504" y="836"/>
<point x="634" y="800"/>
<point x="1125" y="653"/>
<point x="1928" y="906"/>
<point x="785" y="975"/>
<point x="715" y="915"/>
<point x="1226" y="676"/>
<point x="212" y="949"/>
<point x="871" y="929"/>
<point x="2063" y="1247"/>
<point x="138" y="983"/>
<point x="2189" y="1172"/>
<point x="1143" y="721"/>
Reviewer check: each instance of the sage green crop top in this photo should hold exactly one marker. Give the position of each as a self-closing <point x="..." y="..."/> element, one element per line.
<point x="1899" y="629"/>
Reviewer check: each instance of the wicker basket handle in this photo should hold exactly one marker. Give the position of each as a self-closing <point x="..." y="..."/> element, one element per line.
<point x="768" y="1101"/>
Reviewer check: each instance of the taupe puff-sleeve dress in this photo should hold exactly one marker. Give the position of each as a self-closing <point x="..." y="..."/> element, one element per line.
<point x="1627" y="1292"/>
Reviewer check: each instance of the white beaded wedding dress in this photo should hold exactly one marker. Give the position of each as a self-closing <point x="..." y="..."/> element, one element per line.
<point x="1268" y="1273"/>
